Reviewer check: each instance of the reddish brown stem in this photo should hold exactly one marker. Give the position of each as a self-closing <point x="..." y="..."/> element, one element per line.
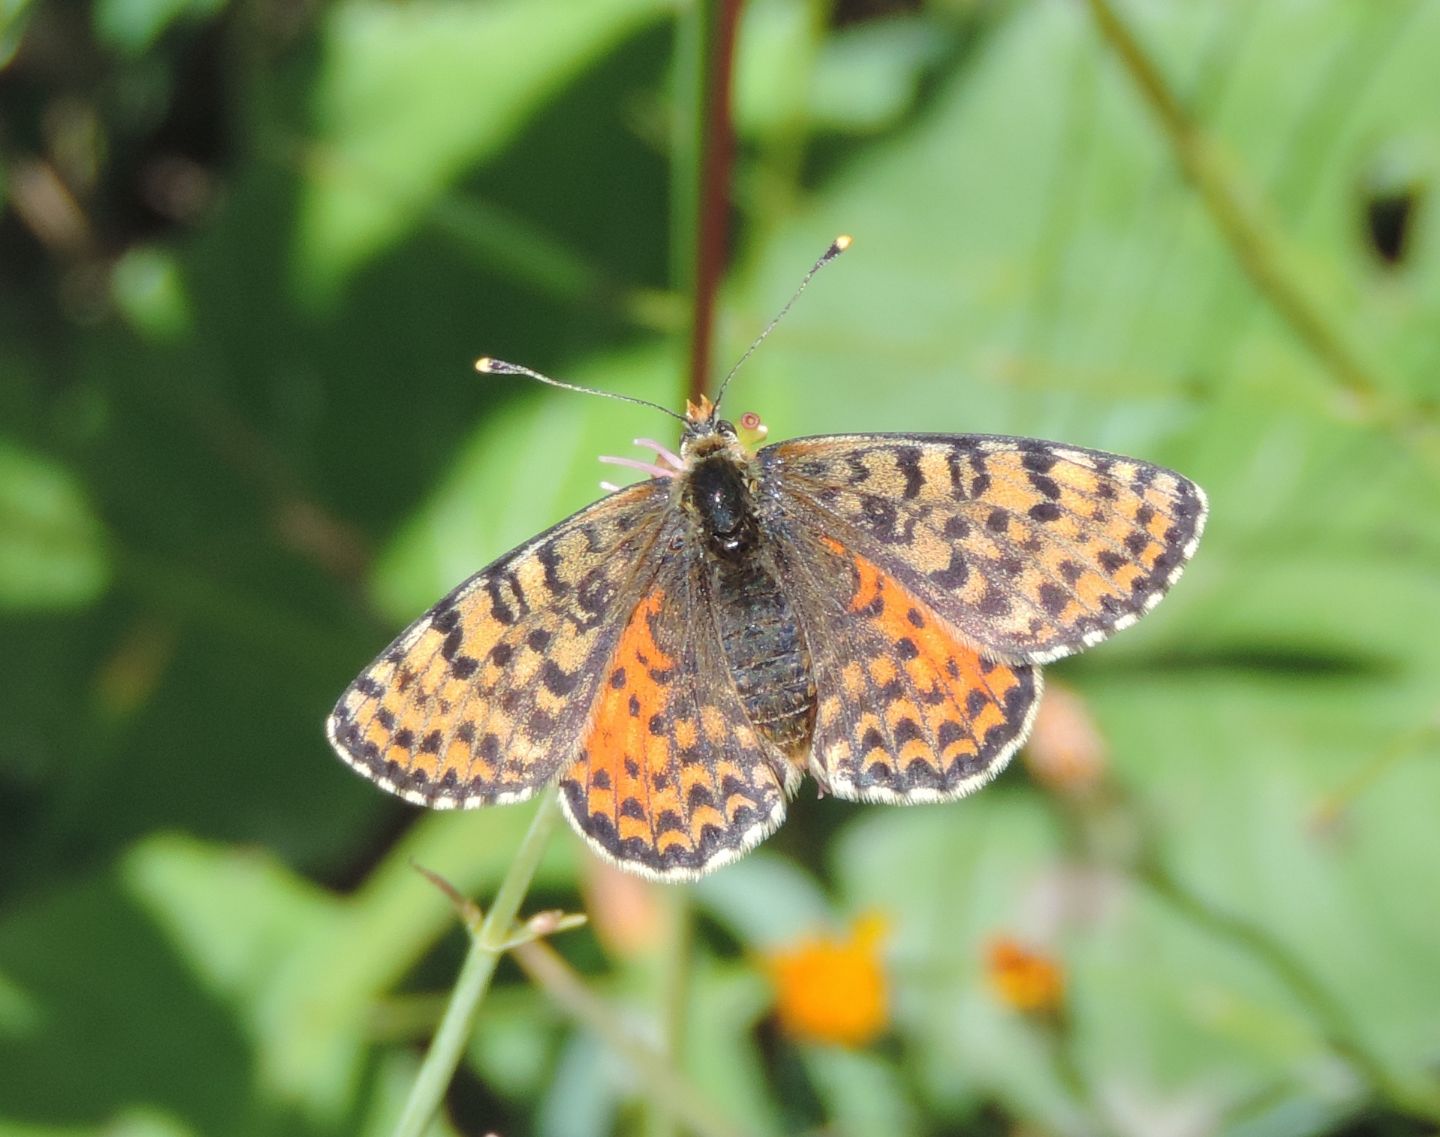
<point x="716" y="160"/>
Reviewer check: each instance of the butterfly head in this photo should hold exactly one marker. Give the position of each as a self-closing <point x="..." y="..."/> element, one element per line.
<point x="706" y="434"/>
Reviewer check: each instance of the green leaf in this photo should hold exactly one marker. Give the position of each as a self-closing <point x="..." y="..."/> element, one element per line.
<point x="14" y="18"/>
<point x="413" y="95"/>
<point x="52" y="546"/>
<point x="113" y="997"/>
<point x="148" y="287"/>
<point x="866" y="1093"/>
<point x="133" y="26"/>
<point x="868" y="76"/>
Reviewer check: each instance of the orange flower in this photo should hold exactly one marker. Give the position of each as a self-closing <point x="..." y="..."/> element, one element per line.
<point x="831" y="989"/>
<point x="1025" y="979"/>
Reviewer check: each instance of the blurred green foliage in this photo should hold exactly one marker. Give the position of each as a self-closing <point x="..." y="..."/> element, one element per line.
<point x="247" y="255"/>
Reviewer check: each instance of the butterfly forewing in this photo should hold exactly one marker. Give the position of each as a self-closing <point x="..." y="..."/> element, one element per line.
<point x="672" y="778"/>
<point x="1030" y="550"/>
<point x="484" y="697"/>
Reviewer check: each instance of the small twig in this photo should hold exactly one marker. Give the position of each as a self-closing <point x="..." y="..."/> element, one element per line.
<point x="1332" y="807"/>
<point x="465" y="908"/>
<point x="540" y="925"/>
<point x="488" y="941"/>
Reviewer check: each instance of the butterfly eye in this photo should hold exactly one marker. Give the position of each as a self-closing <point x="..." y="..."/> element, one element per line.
<point x="726" y="428"/>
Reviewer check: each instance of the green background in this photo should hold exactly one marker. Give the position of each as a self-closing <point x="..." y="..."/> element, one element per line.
<point x="248" y="253"/>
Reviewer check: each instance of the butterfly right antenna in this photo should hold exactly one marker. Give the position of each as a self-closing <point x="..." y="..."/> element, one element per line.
<point x="837" y="246"/>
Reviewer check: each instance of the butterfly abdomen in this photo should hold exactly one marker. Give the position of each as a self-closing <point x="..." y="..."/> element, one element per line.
<point x="767" y="654"/>
<point x="760" y="634"/>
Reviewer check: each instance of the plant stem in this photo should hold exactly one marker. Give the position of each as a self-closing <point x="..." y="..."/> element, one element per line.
<point x="1064" y="1053"/>
<point x="1340" y="1032"/>
<point x="1334" y="805"/>
<point x="487" y="944"/>
<point x="1253" y="240"/>
<point x="674" y="984"/>
<point x="715" y="147"/>
<point x="666" y="1084"/>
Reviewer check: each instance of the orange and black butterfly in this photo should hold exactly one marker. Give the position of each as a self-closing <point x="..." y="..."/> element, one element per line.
<point x="870" y="609"/>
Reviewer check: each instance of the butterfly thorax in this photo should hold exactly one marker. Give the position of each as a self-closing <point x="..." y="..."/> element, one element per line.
<point x="720" y="500"/>
<point x="759" y="631"/>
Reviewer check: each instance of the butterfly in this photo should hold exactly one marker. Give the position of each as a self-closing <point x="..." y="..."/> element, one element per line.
<point x="869" y="609"/>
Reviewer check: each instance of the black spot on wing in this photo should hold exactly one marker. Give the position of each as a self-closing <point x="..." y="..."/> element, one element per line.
<point x="955" y="574"/>
<point x="556" y="679"/>
<point x="1037" y="459"/>
<point x="1053" y="598"/>
<point x="907" y="458"/>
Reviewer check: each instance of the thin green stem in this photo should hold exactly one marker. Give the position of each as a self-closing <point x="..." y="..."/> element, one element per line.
<point x="1116" y="809"/>
<point x="673" y="966"/>
<point x="661" y="1079"/>
<point x="1064" y="1052"/>
<point x="1331" y="809"/>
<point x="1252" y="238"/>
<point x="1341" y="1033"/>
<point x="487" y="944"/>
<point x="692" y="37"/>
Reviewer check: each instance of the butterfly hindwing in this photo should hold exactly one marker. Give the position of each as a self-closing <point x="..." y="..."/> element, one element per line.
<point x="475" y="701"/>
<point x="907" y="711"/>
<point x="672" y="779"/>
<point x="1030" y="550"/>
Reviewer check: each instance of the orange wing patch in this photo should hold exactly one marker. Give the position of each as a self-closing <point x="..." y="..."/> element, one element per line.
<point x="908" y="712"/>
<point x="475" y="701"/>
<point x="671" y="779"/>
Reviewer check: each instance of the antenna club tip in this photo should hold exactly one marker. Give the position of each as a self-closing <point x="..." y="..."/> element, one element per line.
<point x="843" y="242"/>
<point x="489" y="365"/>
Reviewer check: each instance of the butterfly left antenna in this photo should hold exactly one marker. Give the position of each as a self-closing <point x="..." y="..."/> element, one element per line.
<point x="487" y="366"/>
<point x="837" y="246"/>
